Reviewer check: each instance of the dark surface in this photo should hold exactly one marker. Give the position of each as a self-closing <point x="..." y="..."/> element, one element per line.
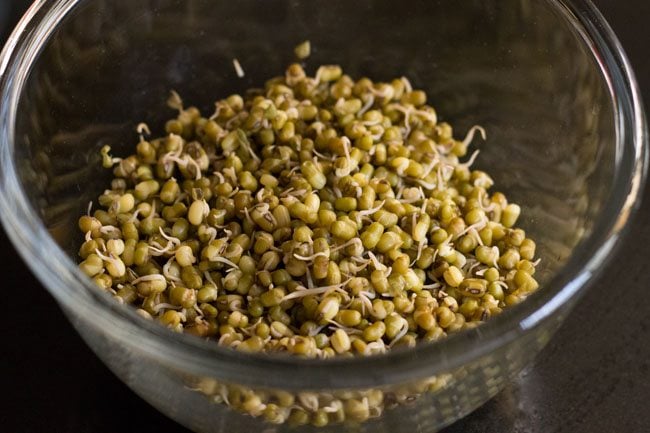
<point x="593" y="377"/>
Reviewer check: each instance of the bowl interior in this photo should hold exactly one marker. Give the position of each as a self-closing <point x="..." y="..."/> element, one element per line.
<point x="517" y="68"/>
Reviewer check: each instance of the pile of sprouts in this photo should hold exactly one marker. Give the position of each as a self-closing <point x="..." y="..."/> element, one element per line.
<point x="319" y="216"/>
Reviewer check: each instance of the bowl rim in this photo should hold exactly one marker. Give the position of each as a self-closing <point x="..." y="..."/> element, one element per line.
<point x="75" y="293"/>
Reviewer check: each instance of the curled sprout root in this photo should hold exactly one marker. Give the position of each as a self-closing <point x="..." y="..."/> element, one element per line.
<point x="470" y="134"/>
<point x="302" y="291"/>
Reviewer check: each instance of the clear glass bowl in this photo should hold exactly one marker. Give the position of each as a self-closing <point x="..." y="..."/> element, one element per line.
<point x="547" y="79"/>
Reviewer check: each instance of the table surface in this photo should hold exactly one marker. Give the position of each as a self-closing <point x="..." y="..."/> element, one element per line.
<point x="593" y="377"/>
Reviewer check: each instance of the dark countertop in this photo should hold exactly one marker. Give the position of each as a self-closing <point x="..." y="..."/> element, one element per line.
<point x="594" y="376"/>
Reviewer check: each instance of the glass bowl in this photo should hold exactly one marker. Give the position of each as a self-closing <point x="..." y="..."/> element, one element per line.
<point x="547" y="79"/>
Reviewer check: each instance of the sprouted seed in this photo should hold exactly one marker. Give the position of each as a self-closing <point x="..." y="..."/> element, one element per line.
<point x="303" y="50"/>
<point x="319" y="216"/>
